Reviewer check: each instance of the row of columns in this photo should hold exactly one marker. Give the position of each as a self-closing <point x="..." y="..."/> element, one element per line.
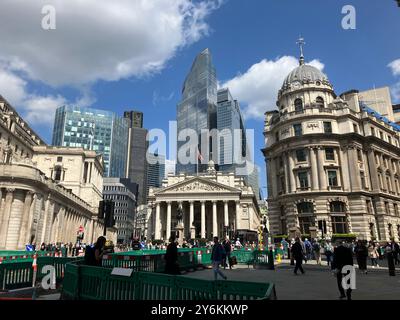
<point x="191" y="217"/>
<point x="60" y="226"/>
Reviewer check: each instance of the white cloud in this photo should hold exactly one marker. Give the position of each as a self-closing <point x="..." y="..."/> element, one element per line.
<point x="93" y="40"/>
<point x="395" y="66"/>
<point x="395" y="89"/>
<point x="99" y="39"/>
<point x="257" y="88"/>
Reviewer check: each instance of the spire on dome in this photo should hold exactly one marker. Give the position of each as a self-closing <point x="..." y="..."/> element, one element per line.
<point x="301" y="43"/>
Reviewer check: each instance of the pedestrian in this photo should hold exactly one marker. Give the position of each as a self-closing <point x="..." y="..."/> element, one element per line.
<point x="238" y="244"/>
<point x="328" y="252"/>
<point x="298" y="255"/>
<point x="395" y="251"/>
<point x="342" y="256"/>
<point x="285" y="246"/>
<point x="171" y="257"/>
<point x="228" y="248"/>
<point x="361" y="252"/>
<point x="217" y="254"/>
<point x="94" y="255"/>
<point x="308" y="250"/>
<point x="390" y="259"/>
<point x="317" y="251"/>
<point x="373" y="254"/>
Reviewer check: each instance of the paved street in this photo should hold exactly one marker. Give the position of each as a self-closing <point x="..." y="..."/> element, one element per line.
<point x="317" y="283"/>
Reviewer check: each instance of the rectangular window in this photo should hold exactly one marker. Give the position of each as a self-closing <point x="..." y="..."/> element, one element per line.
<point x="329" y="154"/>
<point x="327" y="127"/>
<point x="381" y="134"/>
<point x="387" y="209"/>
<point x="339" y="224"/>
<point x="372" y="131"/>
<point x="298" y="131"/>
<point x="363" y="184"/>
<point x="303" y="180"/>
<point x="396" y="209"/>
<point x="359" y="155"/>
<point x="355" y="128"/>
<point x="332" y="178"/>
<point x="59" y="159"/>
<point x="301" y="155"/>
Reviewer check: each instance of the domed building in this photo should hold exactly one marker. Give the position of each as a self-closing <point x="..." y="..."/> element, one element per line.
<point x="333" y="163"/>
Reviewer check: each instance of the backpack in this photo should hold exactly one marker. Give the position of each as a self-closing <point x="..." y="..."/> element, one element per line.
<point x="90" y="258"/>
<point x="316" y="246"/>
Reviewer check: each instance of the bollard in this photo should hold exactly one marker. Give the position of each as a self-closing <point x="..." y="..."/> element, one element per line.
<point x="271" y="259"/>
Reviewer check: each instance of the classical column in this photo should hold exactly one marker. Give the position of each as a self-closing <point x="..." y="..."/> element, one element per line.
<point x="168" y="234"/>
<point x="292" y="178"/>
<point x="30" y="219"/>
<point x="214" y="219"/>
<point x="203" y="219"/>
<point x="314" y="168"/>
<point x="273" y="177"/>
<point x="237" y="215"/>
<point x="287" y="173"/>
<point x="6" y="217"/>
<point x="354" y="168"/>
<point x="321" y="170"/>
<point x="25" y="220"/>
<point x="191" y="221"/>
<point x="226" y="217"/>
<point x="344" y="169"/>
<point x="157" y="231"/>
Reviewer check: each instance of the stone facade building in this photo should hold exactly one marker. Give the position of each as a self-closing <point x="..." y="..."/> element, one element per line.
<point x="333" y="163"/>
<point x="213" y="203"/>
<point x="34" y="206"/>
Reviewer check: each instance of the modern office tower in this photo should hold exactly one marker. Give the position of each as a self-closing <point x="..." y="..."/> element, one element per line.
<point x="123" y="192"/>
<point x="197" y="110"/>
<point x="155" y="170"/>
<point x="233" y="141"/>
<point x="92" y="129"/>
<point x="136" y="169"/>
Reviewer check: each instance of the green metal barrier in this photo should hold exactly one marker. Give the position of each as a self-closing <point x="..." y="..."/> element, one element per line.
<point x="20" y="274"/>
<point x="96" y="283"/>
<point x="243" y="256"/>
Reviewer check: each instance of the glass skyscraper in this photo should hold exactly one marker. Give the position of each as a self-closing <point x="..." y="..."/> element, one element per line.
<point x="197" y="110"/>
<point x="155" y="170"/>
<point x="92" y="129"/>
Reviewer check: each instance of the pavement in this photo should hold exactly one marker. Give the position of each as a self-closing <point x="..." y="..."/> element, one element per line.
<point x="318" y="282"/>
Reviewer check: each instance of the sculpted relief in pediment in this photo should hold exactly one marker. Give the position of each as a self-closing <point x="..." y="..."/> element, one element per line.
<point x="197" y="186"/>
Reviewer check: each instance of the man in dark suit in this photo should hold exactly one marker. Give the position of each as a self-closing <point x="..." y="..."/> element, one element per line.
<point x="342" y="256"/>
<point x="298" y="255"/>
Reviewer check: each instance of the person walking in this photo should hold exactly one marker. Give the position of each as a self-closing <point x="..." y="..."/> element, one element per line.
<point x="217" y="254"/>
<point x="361" y="252"/>
<point x="171" y="257"/>
<point x="342" y="256"/>
<point x="298" y="256"/>
<point x="94" y="255"/>
<point x="317" y="251"/>
<point x="373" y="254"/>
<point x="328" y="252"/>
<point x="390" y="259"/>
<point x="395" y="251"/>
<point x="228" y="248"/>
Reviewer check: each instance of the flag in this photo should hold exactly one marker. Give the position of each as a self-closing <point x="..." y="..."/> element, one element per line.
<point x="199" y="155"/>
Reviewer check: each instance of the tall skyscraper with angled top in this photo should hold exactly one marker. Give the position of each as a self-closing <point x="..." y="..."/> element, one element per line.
<point x="198" y="107"/>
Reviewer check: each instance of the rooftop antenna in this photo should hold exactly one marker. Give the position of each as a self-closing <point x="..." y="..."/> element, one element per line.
<point x="301" y="44"/>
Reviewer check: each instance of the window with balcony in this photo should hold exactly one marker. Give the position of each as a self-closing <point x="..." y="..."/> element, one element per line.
<point x="327" y="127"/>
<point x="329" y="154"/>
<point x="298" y="131"/>
<point x="298" y="105"/>
<point x="301" y="155"/>
<point x="332" y="178"/>
<point x="303" y="179"/>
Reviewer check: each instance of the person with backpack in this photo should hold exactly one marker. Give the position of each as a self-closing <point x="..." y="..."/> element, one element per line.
<point x="171" y="257"/>
<point x="94" y="255"/>
<point x="317" y="251"/>
<point x="217" y="254"/>
<point x="328" y="252"/>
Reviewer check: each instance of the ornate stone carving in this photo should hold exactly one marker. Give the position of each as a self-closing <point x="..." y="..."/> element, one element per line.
<point x="198" y="186"/>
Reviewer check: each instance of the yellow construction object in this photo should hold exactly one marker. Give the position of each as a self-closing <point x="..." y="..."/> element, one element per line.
<point x="278" y="258"/>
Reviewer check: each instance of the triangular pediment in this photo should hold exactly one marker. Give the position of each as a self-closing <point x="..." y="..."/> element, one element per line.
<point x="197" y="184"/>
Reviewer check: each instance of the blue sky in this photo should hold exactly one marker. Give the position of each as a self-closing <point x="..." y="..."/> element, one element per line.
<point x="116" y="64"/>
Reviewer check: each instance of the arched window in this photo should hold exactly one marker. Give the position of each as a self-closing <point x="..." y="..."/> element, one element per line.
<point x="306" y="218"/>
<point x="320" y="101"/>
<point x="57" y="173"/>
<point x="298" y="105"/>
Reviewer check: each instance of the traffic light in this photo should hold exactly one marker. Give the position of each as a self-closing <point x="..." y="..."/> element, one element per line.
<point x="101" y="210"/>
<point x="109" y="213"/>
